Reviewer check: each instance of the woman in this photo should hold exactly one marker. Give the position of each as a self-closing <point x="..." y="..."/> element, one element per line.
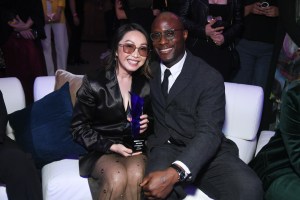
<point x="55" y="23"/>
<point x="165" y="5"/>
<point x="257" y="42"/>
<point x="101" y="118"/>
<point x="278" y="162"/>
<point x="16" y="165"/>
<point x="135" y="11"/>
<point x="213" y="27"/>
<point x="21" y="32"/>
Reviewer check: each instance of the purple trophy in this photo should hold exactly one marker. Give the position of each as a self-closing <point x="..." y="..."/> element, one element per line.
<point x="137" y="103"/>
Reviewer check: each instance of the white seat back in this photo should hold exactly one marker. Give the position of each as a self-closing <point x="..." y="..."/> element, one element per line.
<point x="244" y="104"/>
<point x="14" y="97"/>
<point x="43" y="85"/>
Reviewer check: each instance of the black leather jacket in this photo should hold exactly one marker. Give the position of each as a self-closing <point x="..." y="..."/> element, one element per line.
<point x="99" y="118"/>
<point x="194" y="15"/>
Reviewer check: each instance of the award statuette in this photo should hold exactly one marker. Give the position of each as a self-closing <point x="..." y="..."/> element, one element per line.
<point x="137" y="103"/>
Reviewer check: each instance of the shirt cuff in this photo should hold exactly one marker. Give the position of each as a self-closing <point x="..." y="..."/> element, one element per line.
<point x="183" y="166"/>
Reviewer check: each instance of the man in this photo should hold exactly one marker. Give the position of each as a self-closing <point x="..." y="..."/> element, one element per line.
<point x="17" y="170"/>
<point x="75" y="19"/>
<point x="188" y="145"/>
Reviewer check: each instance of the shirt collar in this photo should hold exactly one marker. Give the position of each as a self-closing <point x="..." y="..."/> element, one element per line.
<point x="175" y="69"/>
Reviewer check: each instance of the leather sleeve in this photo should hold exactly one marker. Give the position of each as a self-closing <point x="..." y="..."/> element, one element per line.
<point x="83" y="115"/>
<point x="195" y="27"/>
<point x="234" y="31"/>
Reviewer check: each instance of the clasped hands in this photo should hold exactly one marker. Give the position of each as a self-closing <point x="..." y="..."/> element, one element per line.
<point x="23" y="28"/>
<point x="216" y="34"/>
<point x="269" y="11"/>
<point x="52" y="17"/>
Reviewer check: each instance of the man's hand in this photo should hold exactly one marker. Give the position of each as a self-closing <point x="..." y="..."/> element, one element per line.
<point x="159" y="184"/>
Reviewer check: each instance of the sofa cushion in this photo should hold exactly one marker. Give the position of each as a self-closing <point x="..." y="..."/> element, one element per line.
<point x="42" y="128"/>
<point x="75" y="81"/>
<point x="3" y="118"/>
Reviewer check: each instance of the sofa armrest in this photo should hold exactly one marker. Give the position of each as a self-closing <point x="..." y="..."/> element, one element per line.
<point x="42" y="86"/>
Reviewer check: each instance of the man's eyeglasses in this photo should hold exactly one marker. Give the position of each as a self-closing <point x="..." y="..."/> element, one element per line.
<point x="130" y="48"/>
<point x="168" y="34"/>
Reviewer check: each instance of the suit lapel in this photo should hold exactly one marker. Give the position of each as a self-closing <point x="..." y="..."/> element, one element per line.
<point x="182" y="80"/>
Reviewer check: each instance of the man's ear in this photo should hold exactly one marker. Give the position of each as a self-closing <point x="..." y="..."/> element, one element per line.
<point x="185" y="34"/>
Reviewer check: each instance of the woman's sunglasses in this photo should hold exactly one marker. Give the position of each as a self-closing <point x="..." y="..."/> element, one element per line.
<point x="130" y="48"/>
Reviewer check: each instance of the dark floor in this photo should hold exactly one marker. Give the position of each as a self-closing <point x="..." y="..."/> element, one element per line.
<point x="91" y="52"/>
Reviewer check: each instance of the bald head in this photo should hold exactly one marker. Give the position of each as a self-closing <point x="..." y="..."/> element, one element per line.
<point x="168" y="37"/>
<point x="168" y="17"/>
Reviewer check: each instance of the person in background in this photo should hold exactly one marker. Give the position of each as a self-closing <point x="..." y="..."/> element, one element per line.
<point x="75" y="19"/>
<point x="21" y="32"/>
<point x="17" y="169"/>
<point x="165" y="5"/>
<point x="214" y="26"/>
<point x="102" y="117"/>
<point x="257" y="42"/>
<point x="56" y="23"/>
<point x="2" y="64"/>
<point x="188" y="146"/>
<point x="277" y="163"/>
<point x="135" y="11"/>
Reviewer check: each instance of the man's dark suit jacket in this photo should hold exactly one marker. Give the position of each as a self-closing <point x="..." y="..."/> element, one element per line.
<point x="193" y="114"/>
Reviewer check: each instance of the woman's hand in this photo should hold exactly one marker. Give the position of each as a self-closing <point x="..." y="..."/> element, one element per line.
<point x="144" y="123"/>
<point x="76" y="20"/>
<point x="19" y="25"/>
<point x="48" y="18"/>
<point x="27" y="34"/>
<point x="56" y="17"/>
<point x="218" y="39"/>
<point x="122" y="150"/>
<point x="271" y="11"/>
<point x="215" y="33"/>
<point x="210" y="31"/>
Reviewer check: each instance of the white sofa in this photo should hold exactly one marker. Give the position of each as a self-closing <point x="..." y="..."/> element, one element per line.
<point x="61" y="179"/>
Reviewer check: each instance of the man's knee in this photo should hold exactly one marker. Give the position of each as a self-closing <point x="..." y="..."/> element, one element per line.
<point x="250" y="188"/>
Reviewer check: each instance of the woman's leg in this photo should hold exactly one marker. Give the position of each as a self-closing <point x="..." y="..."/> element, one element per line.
<point x="47" y="50"/>
<point x="118" y="177"/>
<point x="61" y="44"/>
<point x="135" y="167"/>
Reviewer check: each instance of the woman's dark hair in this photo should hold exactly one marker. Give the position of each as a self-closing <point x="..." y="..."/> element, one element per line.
<point x="119" y="34"/>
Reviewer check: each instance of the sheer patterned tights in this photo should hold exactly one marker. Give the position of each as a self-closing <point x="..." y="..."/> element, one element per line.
<point x="116" y="177"/>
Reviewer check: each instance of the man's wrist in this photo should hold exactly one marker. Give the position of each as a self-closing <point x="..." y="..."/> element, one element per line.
<point x="182" y="174"/>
